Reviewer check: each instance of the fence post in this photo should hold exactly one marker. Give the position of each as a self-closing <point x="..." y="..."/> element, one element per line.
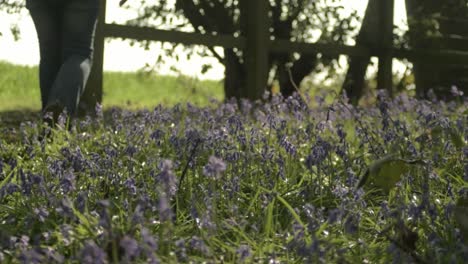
<point x="256" y="57"/>
<point x="93" y="91"/>
<point x="384" y="76"/>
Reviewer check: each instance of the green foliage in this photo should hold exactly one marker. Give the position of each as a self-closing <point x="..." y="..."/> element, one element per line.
<point x="384" y="173"/>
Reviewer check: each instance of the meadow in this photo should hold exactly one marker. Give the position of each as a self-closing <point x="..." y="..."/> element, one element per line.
<point x="293" y="180"/>
<point x="19" y="89"/>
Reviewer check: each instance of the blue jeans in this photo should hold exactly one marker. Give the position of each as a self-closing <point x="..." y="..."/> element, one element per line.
<point x="65" y="29"/>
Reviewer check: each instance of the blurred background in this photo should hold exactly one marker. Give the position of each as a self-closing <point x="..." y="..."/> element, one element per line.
<point x="135" y="70"/>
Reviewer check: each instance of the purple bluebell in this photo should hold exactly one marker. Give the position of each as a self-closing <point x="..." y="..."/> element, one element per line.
<point x="335" y="216"/>
<point x="130" y="185"/>
<point x="67" y="182"/>
<point x="351" y="223"/>
<point x="181" y="250"/>
<point x="53" y="256"/>
<point x="214" y="168"/>
<point x="41" y="213"/>
<point x="138" y="216"/>
<point x="167" y="177"/>
<point x="196" y="243"/>
<point x="130" y="150"/>
<point x="318" y="154"/>
<point x="31" y="256"/>
<point x="81" y="201"/>
<point x="103" y="211"/>
<point x="455" y="91"/>
<point x="98" y="111"/>
<point x="243" y="252"/>
<point x="157" y="136"/>
<point x="341" y="132"/>
<point x="8" y="189"/>
<point x="164" y="208"/>
<point x="288" y="146"/>
<point x="130" y="247"/>
<point x="149" y="240"/>
<point x="92" y="254"/>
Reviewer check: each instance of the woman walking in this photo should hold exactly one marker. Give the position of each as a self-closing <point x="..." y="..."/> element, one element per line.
<point x="65" y="29"/>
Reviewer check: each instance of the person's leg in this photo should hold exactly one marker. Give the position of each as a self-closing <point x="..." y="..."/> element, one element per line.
<point x="78" y="28"/>
<point x="47" y="23"/>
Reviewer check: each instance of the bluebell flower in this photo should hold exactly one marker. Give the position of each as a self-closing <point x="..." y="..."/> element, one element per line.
<point x="8" y="189"/>
<point x="340" y="191"/>
<point x="81" y="200"/>
<point x="288" y="146"/>
<point x="149" y="240"/>
<point x="164" y="208"/>
<point x="138" y="214"/>
<point x="351" y="223"/>
<point x="130" y="150"/>
<point x="41" y="213"/>
<point x="319" y="153"/>
<point x="130" y="185"/>
<point x="92" y="254"/>
<point x="12" y="162"/>
<point x="65" y="208"/>
<point x="157" y="135"/>
<point x="167" y="177"/>
<point x="26" y="185"/>
<point x="181" y="251"/>
<point x="335" y="216"/>
<point x="52" y="256"/>
<point x="104" y="218"/>
<point x="66" y="231"/>
<point x="214" y="168"/>
<point x="62" y="119"/>
<point x="455" y="91"/>
<point x="246" y="106"/>
<point x="243" y="252"/>
<point x="31" y="256"/>
<point x="341" y="133"/>
<point x="207" y="222"/>
<point x="67" y="182"/>
<point x="199" y="245"/>
<point x="130" y="247"/>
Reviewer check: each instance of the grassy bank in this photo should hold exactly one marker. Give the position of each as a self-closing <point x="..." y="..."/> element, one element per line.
<point x="19" y="89"/>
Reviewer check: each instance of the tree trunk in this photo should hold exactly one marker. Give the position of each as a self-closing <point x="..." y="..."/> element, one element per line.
<point x="291" y="78"/>
<point x="235" y="75"/>
<point x="368" y="36"/>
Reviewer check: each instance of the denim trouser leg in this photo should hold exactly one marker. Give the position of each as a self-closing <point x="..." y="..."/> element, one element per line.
<point x="66" y="32"/>
<point x="48" y="29"/>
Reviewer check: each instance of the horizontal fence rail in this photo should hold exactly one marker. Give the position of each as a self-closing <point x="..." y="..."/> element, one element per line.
<point x="279" y="45"/>
<point x="187" y="38"/>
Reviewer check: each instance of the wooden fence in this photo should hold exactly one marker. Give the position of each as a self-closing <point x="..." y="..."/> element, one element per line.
<point x="257" y="45"/>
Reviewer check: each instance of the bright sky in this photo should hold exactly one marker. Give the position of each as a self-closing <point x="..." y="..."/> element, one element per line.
<point x="119" y="55"/>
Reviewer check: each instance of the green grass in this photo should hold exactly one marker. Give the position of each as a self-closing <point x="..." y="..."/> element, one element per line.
<point x="19" y="89"/>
